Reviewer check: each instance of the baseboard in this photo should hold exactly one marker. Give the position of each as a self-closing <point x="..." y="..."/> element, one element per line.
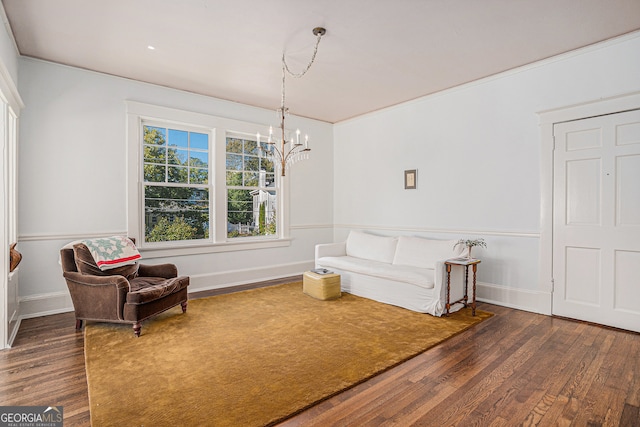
<point x="13" y="330"/>
<point x="223" y="279"/>
<point x="45" y="304"/>
<point x="533" y="301"/>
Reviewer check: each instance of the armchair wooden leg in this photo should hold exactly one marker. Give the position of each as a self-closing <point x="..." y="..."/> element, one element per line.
<point x="136" y="328"/>
<point x="78" y="325"/>
<point x="184" y="306"/>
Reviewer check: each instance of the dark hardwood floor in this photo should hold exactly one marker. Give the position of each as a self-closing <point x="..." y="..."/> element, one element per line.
<point x="516" y="368"/>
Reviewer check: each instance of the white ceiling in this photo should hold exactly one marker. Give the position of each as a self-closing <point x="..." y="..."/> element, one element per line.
<point x="376" y="53"/>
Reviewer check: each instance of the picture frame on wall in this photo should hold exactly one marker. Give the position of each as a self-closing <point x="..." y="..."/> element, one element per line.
<point x="410" y="179"/>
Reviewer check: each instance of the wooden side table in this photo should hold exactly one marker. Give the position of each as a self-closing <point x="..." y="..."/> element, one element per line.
<point x="466" y="263"/>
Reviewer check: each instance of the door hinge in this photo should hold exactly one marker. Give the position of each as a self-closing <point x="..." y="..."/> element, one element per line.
<point x="553" y="285"/>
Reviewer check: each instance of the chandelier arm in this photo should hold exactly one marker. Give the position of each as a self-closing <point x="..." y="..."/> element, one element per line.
<point x="295" y="150"/>
<point x="280" y="154"/>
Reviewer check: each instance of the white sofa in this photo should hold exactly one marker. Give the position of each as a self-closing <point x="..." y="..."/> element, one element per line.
<point x="405" y="271"/>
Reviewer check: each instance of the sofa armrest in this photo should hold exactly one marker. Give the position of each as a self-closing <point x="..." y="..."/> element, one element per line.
<point x="331" y="249"/>
<point x="166" y="271"/>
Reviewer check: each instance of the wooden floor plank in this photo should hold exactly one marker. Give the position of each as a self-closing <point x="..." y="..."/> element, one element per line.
<point x="516" y="368"/>
<point x="570" y="378"/>
<point x="457" y="366"/>
<point x="632" y="377"/>
<point x="610" y="387"/>
<point x="541" y="380"/>
<point x="477" y="388"/>
<point x="630" y="416"/>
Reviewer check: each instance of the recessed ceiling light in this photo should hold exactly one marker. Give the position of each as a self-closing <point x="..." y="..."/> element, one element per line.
<point x="151" y="47"/>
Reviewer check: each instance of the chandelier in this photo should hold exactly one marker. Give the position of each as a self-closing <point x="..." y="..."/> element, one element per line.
<point x="281" y="150"/>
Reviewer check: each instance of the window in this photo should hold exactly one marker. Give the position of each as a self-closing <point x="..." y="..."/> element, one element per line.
<point x="176" y="177"/>
<point x="199" y="184"/>
<point x="251" y="190"/>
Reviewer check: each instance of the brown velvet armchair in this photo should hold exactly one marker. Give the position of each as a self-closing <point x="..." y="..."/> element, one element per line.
<point x="128" y="294"/>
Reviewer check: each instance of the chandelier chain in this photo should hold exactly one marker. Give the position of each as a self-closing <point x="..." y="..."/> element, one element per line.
<point x="281" y="151"/>
<point x="286" y="69"/>
<point x="313" y="58"/>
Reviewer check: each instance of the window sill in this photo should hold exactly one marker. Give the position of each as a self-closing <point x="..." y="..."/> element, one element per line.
<point x="209" y="248"/>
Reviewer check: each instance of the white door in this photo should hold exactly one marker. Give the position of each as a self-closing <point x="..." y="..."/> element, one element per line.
<point x="596" y="220"/>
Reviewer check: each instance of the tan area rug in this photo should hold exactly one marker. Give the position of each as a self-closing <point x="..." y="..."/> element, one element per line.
<point x="250" y="358"/>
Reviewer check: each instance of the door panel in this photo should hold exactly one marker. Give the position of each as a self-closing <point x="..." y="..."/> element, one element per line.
<point x="583" y="139"/>
<point x="596" y="237"/>
<point x="583" y="192"/>
<point x="628" y="191"/>
<point x="628" y="133"/>
<point x="582" y="276"/>
<point x="627" y="291"/>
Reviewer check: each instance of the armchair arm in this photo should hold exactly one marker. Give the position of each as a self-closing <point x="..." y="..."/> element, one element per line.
<point x="89" y="280"/>
<point x="97" y="297"/>
<point x="167" y="271"/>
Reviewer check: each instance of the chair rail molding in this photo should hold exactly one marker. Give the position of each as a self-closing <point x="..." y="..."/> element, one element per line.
<point x="68" y="236"/>
<point x="411" y="229"/>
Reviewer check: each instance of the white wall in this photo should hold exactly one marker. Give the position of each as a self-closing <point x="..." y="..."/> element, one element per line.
<point x="477" y="150"/>
<point x="73" y="180"/>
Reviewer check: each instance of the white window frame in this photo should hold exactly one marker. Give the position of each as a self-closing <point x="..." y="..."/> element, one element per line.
<point x="275" y="188"/>
<point x="218" y="129"/>
<point x="209" y="186"/>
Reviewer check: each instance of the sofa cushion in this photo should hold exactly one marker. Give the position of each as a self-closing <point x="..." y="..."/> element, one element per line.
<point x="85" y="264"/>
<point x="372" y="247"/>
<point x="146" y="289"/>
<point x="423" y="277"/>
<point x="423" y="253"/>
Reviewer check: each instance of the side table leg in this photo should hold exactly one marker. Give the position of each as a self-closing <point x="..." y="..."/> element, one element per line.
<point x="448" y="304"/>
<point x="466" y="285"/>
<point x="473" y="304"/>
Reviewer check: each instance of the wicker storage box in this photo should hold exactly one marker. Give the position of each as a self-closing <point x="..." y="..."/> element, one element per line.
<point x="321" y="286"/>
